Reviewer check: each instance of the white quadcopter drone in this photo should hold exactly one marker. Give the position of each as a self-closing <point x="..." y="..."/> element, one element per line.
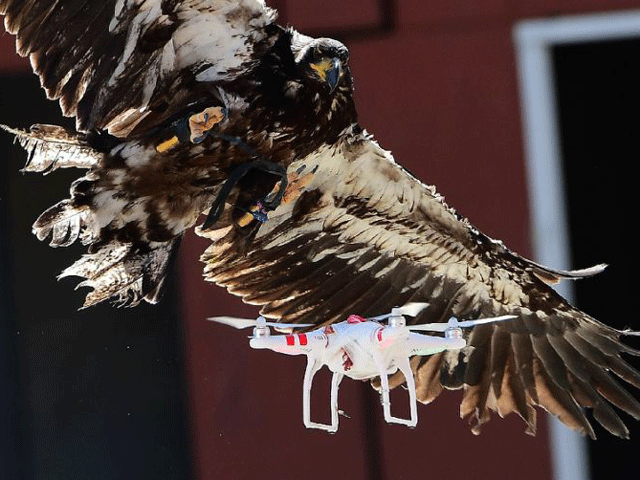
<point x="360" y="348"/>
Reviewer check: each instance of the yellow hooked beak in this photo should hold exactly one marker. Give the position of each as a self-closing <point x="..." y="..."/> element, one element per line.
<point x="329" y="70"/>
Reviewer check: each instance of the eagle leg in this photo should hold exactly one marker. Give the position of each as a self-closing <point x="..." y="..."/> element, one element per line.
<point x="283" y="192"/>
<point x="269" y="167"/>
<point x="193" y="128"/>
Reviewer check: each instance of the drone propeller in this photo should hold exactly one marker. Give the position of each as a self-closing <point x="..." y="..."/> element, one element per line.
<point x="240" y="323"/>
<point x="409" y="309"/>
<point x="454" y="323"/>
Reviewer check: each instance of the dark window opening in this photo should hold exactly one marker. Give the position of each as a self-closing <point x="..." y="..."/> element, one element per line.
<point x="599" y="110"/>
<point x="97" y="393"/>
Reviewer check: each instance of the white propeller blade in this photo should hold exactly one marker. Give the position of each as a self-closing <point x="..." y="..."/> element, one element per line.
<point x="410" y="310"/>
<point x="240" y="323"/>
<point x="629" y="332"/>
<point x="480" y="321"/>
<point x="235" y="322"/>
<point x="453" y="323"/>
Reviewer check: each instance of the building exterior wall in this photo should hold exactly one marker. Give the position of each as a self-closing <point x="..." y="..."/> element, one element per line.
<point x="436" y="83"/>
<point x="439" y="90"/>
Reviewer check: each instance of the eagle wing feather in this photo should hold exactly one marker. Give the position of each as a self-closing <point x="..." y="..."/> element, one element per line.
<point x="109" y="62"/>
<point x="365" y="235"/>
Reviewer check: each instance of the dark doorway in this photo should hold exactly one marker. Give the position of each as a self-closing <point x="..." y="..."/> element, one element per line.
<point x="96" y="393"/>
<point x="599" y="110"/>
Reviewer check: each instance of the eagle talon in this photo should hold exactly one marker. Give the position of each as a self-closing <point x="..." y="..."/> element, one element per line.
<point x="218" y="205"/>
<point x="201" y="123"/>
<point x="297" y="184"/>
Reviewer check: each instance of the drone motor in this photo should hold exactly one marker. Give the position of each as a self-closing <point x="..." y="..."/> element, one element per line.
<point x="261" y="330"/>
<point x="453" y="329"/>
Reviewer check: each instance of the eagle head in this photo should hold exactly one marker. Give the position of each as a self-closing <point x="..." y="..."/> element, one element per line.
<point x="307" y="84"/>
<point x="323" y="61"/>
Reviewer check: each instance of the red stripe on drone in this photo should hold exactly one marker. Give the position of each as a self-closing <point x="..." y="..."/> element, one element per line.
<point x="303" y="338"/>
<point x="290" y="340"/>
<point x="380" y="334"/>
<point x="355" y="319"/>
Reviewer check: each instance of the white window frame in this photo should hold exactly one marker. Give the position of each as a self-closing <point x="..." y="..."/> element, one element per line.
<point x="533" y="41"/>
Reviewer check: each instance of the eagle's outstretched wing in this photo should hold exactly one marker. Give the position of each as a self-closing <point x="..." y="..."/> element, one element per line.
<point x="111" y="62"/>
<point x="365" y="235"/>
<point x="355" y="232"/>
<point x="171" y="97"/>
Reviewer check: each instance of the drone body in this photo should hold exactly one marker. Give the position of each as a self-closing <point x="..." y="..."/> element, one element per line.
<point x="361" y="349"/>
<point x="358" y="347"/>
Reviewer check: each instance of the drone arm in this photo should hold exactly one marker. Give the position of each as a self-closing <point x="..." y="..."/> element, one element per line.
<point x="419" y="344"/>
<point x="293" y="344"/>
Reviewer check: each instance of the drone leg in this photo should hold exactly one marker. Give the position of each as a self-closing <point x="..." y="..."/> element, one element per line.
<point x="313" y="365"/>
<point x="384" y="384"/>
<point x="335" y="382"/>
<point x="405" y="368"/>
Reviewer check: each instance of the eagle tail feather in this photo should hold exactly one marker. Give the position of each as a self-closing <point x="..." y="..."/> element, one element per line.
<point x="65" y="222"/>
<point x="50" y="147"/>
<point x="124" y="271"/>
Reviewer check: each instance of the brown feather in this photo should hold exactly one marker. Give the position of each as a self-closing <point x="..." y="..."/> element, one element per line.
<point x="559" y="402"/>
<point x="427" y="377"/>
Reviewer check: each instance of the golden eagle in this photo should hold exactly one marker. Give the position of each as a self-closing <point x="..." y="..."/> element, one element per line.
<point x="191" y="107"/>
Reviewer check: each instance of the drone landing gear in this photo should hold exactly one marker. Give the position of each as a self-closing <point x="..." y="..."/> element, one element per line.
<point x="405" y="368"/>
<point x="313" y="366"/>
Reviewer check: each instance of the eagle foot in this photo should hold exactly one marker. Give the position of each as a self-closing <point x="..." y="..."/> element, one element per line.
<point x="201" y="123"/>
<point x="260" y="209"/>
<point x="296" y="182"/>
<point x="256" y="212"/>
<point x="194" y="128"/>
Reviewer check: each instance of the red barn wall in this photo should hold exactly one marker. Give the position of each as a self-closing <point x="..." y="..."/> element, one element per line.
<point x="439" y="90"/>
<point x="437" y="86"/>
